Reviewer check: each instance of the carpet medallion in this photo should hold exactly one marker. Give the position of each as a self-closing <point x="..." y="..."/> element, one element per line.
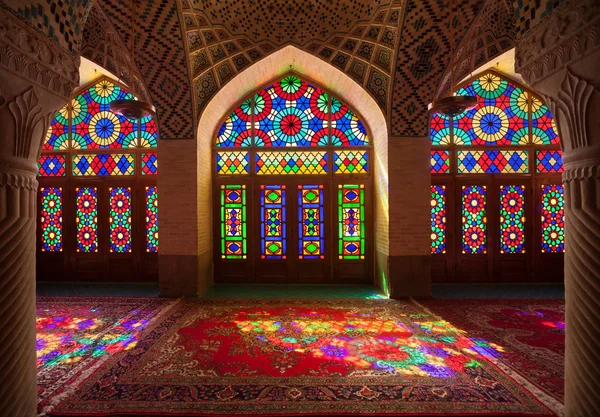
<point x="295" y="357"/>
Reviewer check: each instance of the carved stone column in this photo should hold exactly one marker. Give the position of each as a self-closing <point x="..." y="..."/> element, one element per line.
<point x="560" y="58"/>
<point x="36" y="78"/>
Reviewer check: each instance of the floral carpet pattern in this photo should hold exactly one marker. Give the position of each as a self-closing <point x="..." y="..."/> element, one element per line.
<point x="532" y="333"/>
<point x="301" y="357"/>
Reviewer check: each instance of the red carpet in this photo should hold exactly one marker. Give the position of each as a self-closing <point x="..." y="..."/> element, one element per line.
<point x="301" y="357"/>
<point x="532" y="333"/>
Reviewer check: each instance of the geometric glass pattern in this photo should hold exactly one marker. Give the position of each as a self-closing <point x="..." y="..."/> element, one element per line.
<point x="549" y="161"/>
<point x="235" y="130"/>
<point x="500" y="117"/>
<point x="474" y="219"/>
<point x="440" y="162"/>
<point x="553" y="219"/>
<point x="149" y="164"/>
<point x="351" y="162"/>
<point x="346" y="128"/>
<point x="148" y="133"/>
<point x="86" y="219"/>
<point x="51" y="219"/>
<point x="438" y="219"/>
<point x="233" y="221"/>
<point x="493" y="162"/>
<point x="51" y="166"/>
<point x="273" y="222"/>
<point x="291" y="112"/>
<point x="120" y="219"/>
<point x="103" y="164"/>
<point x="57" y="136"/>
<point x="232" y="163"/>
<point x="543" y="126"/>
<point x="512" y="219"/>
<point x="439" y="129"/>
<point x="351" y="213"/>
<point x="281" y="163"/>
<point x="311" y="232"/>
<point x="152" y="218"/>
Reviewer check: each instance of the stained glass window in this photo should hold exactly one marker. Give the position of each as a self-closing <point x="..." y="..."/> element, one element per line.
<point x="438" y="219"/>
<point x="543" y="126"/>
<point x="311" y="232"/>
<point x="86" y="219"/>
<point x="474" y="219"/>
<point x="283" y="163"/>
<point x="493" y="162"/>
<point x="149" y="164"/>
<point x="440" y="162"/>
<point x="57" y="136"/>
<point x="512" y="219"/>
<point x="440" y="129"/>
<point x="232" y="163"/>
<point x="553" y="219"/>
<point x="151" y="219"/>
<point x="103" y="164"/>
<point x="120" y="219"/>
<point x="351" y="221"/>
<point x="51" y="166"/>
<point x="549" y="161"/>
<point x="51" y="219"/>
<point x="351" y="162"/>
<point x="233" y="221"/>
<point x="236" y="129"/>
<point x="346" y="127"/>
<point x="148" y="132"/>
<point x="273" y="222"/>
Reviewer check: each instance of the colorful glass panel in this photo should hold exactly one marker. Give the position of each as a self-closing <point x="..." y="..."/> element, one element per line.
<point x="233" y="221"/>
<point x="152" y="219"/>
<point x="51" y="166"/>
<point x="236" y="129"/>
<point x="311" y="232"/>
<point x="86" y="219"/>
<point x="438" y="219"/>
<point x="500" y="117"/>
<point x="474" y="219"/>
<point x="51" y="219"/>
<point x="148" y="132"/>
<point x="543" y="126"/>
<point x="512" y="219"/>
<point x="440" y="162"/>
<point x="120" y="219"/>
<point x="149" y="164"/>
<point x="232" y="163"/>
<point x="273" y="222"/>
<point x="493" y="162"/>
<point x="283" y="163"/>
<point x="549" y="161"/>
<point x="351" y="221"/>
<point x="57" y="136"/>
<point x="103" y="164"/>
<point x="346" y="128"/>
<point x="553" y="219"/>
<point x="439" y="129"/>
<point x="351" y="162"/>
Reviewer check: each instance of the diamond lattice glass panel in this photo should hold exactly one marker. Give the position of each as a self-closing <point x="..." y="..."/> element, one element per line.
<point x="440" y="162"/>
<point x="94" y="126"/>
<point x="291" y="112"/>
<point x="86" y="219"/>
<point x="51" y="219"/>
<point x="439" y="129"/>
<point x="233" y="221"/>
<point x="311" y="231"/>
<point x="103" y="164"/>
<point x="351" y="162"/>
<point x="493" y="162"/>
<point x="549" y="161"/>
<point x="474" y="219"/>
<point x="283" y="163"/>
<point x="51" y="166"/>
<point x="499" y="117"/>
<point x="152" y="218"/>
<point x="148" y="132"/>
<point x="351" y="222"/>
<point x="553" y="219"/>
<point x="543" y="126"/>
<point x="236" y="130"/>
<point x="512" y="219"/>
<point x="229" y="163"/>
<point x="149" y="164"/>
<point x="57" y="136"/>
<point x="438" y="219"/>
<point x="273" y="221"/>
<point x="120" y="219"/>
<point x="346" y="128"/>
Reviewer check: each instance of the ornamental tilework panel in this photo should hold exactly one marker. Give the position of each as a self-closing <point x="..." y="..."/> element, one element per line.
<point x="530" y="13"/>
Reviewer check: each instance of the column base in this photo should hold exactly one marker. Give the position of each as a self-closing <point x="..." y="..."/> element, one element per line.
<point x="410" y="276"/>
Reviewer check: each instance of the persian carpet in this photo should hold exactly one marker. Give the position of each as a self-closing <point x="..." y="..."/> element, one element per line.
<point x="75" y="334"/>
<point x="301" y="357"/>
<point x="530" y="332"/>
